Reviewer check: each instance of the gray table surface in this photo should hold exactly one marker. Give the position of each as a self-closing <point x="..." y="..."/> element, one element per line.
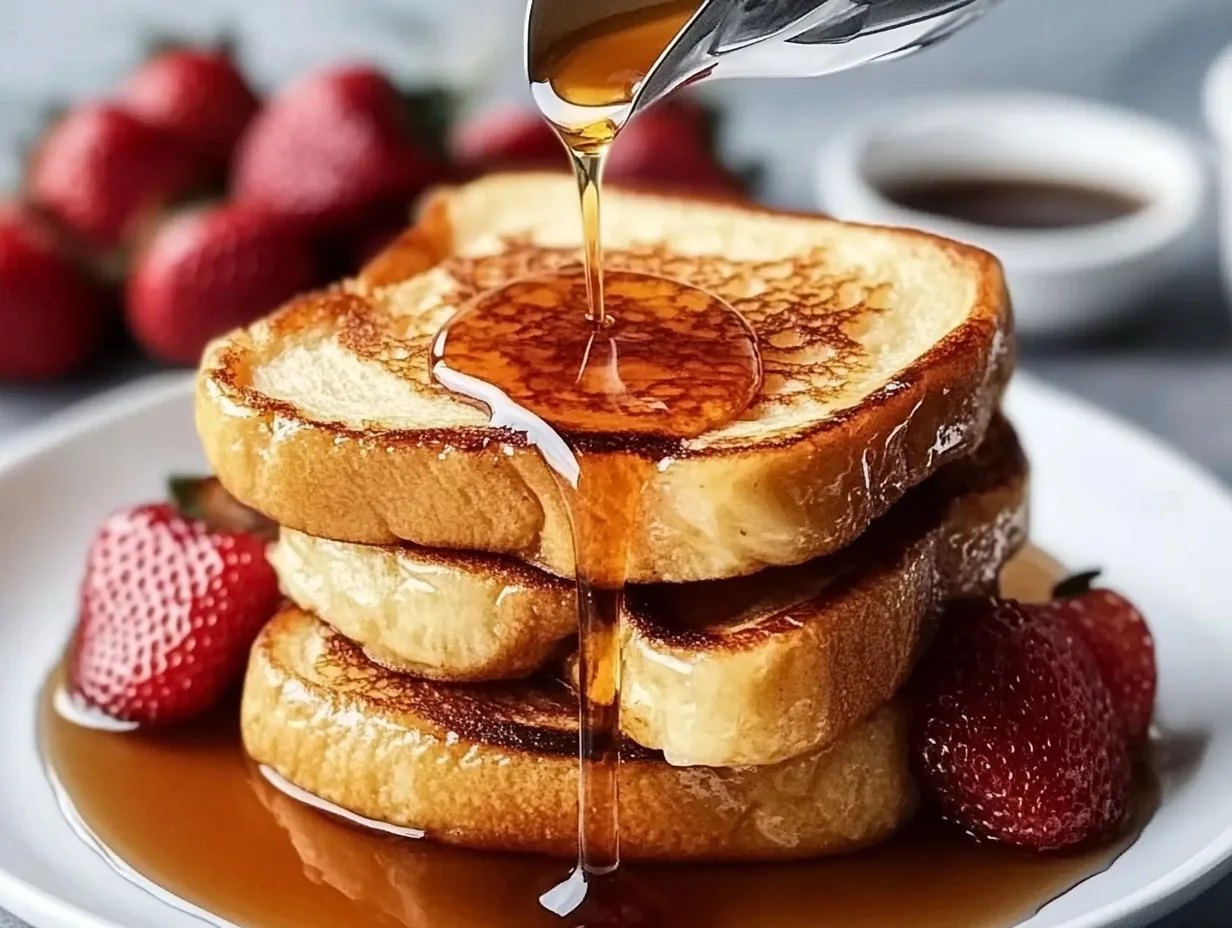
<point x="1169" y="368"/>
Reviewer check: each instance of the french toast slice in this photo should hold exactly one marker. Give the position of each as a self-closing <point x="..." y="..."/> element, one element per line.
<point x="885" y="352"/>
<point x="495" y="765"/>
<point x="452" y="616"/>
<point x="748" y="670"/>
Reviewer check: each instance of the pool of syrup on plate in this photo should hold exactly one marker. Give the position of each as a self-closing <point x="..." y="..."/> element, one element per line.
<point x="190" y="813"/>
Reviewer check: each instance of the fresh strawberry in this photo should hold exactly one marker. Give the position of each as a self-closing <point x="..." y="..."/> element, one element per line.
<point x="511" y="137"/>
<point x="51" y="313"/>
<point x="331" y="148"/>
<point x="207" y="271"/>
<point x="205" y="498"/>
<point x="169" y="609"/>
<point x="103" y="173"/>
<point x="1118" y="636"/>
<point x="668" y="146"/>
<point x="1016" y="738"/>
<point x="196" y="96"/>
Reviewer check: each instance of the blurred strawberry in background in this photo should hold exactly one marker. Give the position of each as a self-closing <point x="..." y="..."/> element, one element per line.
<point x="103" y="173"/>
<point x="332" y="148"/>
<point x="123" y="198"/>
<point x="210" y="270"/>
<point x="505" y="138"/>
<point x="197" y="97"/>
<point x="51" y="313"/>
<point x="672" y="146"/>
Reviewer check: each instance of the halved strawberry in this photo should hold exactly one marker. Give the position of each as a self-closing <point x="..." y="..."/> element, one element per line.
<point x="169" y="608"/>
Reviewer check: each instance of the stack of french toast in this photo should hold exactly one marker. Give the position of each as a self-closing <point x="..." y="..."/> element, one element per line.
<point x="786" y="570"/>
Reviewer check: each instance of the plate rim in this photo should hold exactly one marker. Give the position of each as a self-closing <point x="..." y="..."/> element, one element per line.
<point x="1150" y="901"/>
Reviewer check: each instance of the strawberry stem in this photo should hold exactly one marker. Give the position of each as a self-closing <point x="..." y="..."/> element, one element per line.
<point x="185" y="492"/>
<point x="1075" y="585"/>
<point x="430" y="113"/>
<point x="206" y="499"/>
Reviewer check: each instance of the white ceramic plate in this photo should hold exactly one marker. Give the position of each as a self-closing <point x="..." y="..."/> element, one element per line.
<point x="1103" y="494"/>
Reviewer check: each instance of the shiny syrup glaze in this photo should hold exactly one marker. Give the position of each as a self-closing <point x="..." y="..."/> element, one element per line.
<point x="590" y="355"/>
<point x="669" y="361"/>
<point x="189" y="812"/>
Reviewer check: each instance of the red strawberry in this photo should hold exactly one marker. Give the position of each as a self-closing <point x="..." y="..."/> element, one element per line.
<point x="332" y="147"/>
<point x="1118" y="637"/>
<point x="196" y="96"/>
<point x="169" y="609"/>
<point x="207" y="271"/>
<point x="668" y="146"/>
<point x="52" y="315"/>
<point x="507" y="138"/>
<point x="102" y="173"/>
<point x="1015" y="737"/>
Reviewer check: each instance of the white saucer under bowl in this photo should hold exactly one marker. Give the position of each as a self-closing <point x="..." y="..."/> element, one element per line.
<point x="1103" y="495"/>
<point x="1064" y="280"/>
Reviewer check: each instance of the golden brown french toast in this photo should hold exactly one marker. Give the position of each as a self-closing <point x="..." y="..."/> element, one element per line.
<point x="495" y="765"/>
<point x="885" y="352"/>
<point x="458" y="616"/>
<point x="741" y="671"/>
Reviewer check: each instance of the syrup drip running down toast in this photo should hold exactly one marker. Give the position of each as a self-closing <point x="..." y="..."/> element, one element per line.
<point x="589" y="356"/>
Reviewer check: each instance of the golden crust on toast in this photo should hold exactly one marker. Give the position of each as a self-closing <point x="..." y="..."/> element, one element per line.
<point x="760" y="669"/>
<point x="885" y="353"/>
<point x="726" y="672"/>
<point x="495" y="765"/>
<point x="456" y="616"/>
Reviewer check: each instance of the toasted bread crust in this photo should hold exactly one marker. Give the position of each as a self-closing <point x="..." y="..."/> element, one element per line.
<point x="717" y="511"/>
<point x="743" y="671"/>
<point x="441" y="615"/>
<point x="494" y="767"/>
<point x="799" y="678"/>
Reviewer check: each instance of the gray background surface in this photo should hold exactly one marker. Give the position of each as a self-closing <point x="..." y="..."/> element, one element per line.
<point x="1169" y="368"/>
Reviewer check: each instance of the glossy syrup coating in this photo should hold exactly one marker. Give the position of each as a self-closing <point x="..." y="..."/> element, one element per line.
<point x="584" y="82"/>
<point x="670" y="359"/>
<point x="602" y="63"/>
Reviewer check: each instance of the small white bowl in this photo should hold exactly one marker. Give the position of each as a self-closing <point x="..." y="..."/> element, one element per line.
<point x="1217" y="102"/>
<point x="1062" y="280"/>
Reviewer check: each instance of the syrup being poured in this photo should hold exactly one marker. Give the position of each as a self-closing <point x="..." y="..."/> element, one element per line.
<point x="572" y="358"/>
<point x="568" y="359"/>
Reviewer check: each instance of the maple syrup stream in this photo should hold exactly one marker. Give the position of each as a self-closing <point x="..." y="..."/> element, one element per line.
<point x="629" y="355"/>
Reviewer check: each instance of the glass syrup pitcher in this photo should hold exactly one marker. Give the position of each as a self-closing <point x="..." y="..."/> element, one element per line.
<point x="759" y="38"/>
